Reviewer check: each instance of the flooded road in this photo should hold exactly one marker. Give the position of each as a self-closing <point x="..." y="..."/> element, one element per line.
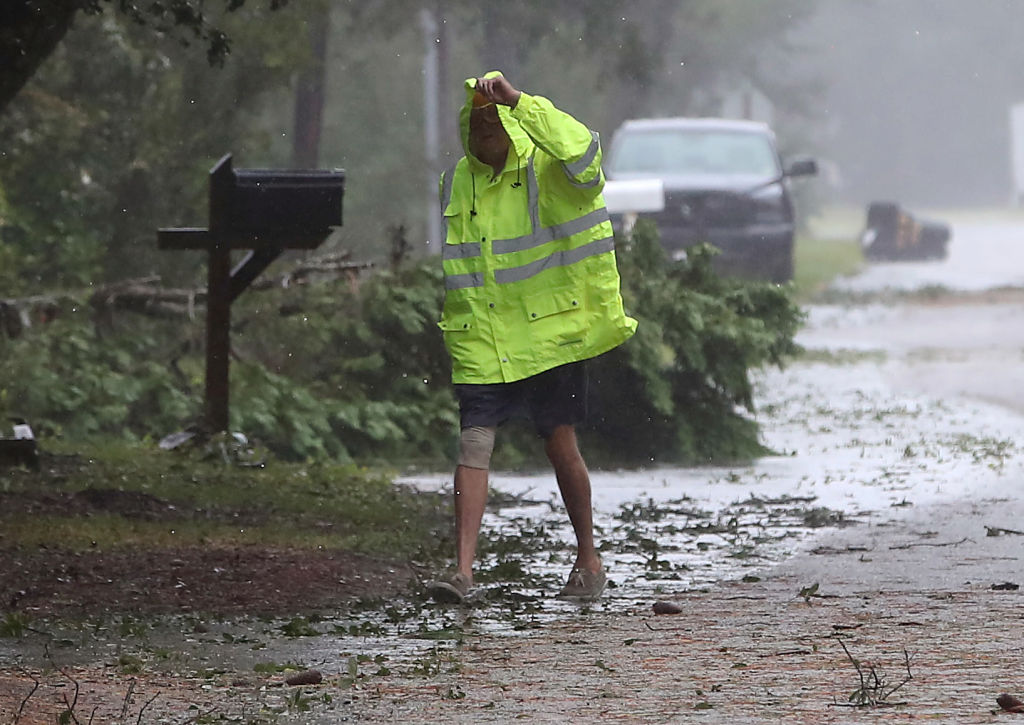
<point x="899" y="402"/>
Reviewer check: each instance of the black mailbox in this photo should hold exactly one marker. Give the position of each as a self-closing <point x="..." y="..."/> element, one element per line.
<point x="272" y="202"/>
<point x="264" y="211"/>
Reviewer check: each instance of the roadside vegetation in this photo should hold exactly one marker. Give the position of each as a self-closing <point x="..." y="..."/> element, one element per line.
<point x="354" y="371"/>
<point x="827" y="247"/>
<point x="819" y="261"/>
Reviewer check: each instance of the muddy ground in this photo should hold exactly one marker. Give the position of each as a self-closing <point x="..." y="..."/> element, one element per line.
<point x="871" y="570"/>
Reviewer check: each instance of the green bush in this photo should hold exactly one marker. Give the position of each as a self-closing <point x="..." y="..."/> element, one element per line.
<point x="677" y="391"/>
<point x="358" y="372"/>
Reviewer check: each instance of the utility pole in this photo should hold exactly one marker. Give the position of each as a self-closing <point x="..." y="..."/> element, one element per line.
<point x="432" y="131"/>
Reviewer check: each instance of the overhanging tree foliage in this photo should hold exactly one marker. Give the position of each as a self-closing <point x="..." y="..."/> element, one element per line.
<point x="30" y="30"/>
<point x="114" y="138"/>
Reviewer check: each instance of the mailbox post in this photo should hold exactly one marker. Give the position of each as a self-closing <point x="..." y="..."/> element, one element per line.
<point x="264" y="211"/>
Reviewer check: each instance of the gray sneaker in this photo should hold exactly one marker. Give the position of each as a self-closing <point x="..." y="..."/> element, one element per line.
<point x="583" y="585"/>
<point x="452" y="590"/>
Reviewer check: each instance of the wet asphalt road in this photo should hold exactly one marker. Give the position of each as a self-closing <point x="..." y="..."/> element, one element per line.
<point x="960" y="335"/>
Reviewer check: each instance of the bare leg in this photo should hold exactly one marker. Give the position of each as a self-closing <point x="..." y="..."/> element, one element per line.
<point x="470" y="500"/>
<point x="574" y="483"/>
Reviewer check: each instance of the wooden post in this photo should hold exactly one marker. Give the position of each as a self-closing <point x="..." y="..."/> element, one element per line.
<point x="218" y="336"/>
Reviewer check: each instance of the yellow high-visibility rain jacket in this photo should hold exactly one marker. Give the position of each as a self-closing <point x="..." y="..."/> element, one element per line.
<point x="529" y="259"/>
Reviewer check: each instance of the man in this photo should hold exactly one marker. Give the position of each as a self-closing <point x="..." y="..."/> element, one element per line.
<point x="531" y="291"/>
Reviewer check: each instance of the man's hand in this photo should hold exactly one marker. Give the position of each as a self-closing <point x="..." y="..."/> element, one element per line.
<point x="498" y="90"/>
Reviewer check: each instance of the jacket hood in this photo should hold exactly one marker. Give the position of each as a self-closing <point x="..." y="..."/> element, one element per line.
<point x="521" y="143"/>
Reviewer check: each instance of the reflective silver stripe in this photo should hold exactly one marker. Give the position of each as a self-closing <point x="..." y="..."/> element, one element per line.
<point x="461" y="251"/>
<point x="446" y="197"/>
<point x="462" y="281"/>
<point x="563" y="258"/>
<point x="446" y="187"/>
<point x="550" y="234"/>
<point x="575" y="168"/>
<point x="532" y="196"/>
<point x="587" y="184"/>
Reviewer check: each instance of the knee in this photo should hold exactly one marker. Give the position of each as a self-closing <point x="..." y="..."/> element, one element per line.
<point x="476" y="444"/>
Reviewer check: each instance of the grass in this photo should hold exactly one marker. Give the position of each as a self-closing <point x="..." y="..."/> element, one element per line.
<point x="828" y="248"/>
<point x="279" y="504"/>
<point x="818" y="261"/>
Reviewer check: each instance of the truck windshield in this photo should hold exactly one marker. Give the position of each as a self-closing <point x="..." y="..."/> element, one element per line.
<point x="692" y="151"/>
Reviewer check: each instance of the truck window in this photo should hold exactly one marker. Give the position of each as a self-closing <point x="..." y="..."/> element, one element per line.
<point x="694" y="152"/>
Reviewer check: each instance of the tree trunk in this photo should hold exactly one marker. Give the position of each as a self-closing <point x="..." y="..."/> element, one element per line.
<point x="309" y="98"/>
<point x="29" y="32"/>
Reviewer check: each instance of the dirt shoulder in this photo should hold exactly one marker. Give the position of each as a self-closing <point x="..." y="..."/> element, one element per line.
<point x="223" y="581"/>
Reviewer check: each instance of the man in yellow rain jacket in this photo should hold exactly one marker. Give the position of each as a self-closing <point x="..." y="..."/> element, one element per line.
<point x="531" y="292"/>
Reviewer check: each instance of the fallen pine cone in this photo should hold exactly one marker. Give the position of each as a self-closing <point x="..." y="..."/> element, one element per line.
<point x="306" y="677"/>
<point x="666" y="608"/>
<point x="1010" y="703"/>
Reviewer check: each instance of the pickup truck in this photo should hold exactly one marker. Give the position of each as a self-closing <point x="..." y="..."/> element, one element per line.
<point x="724" y="184"/>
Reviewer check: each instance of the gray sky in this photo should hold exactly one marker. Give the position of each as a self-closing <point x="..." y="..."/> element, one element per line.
<point x="917" y="96"/>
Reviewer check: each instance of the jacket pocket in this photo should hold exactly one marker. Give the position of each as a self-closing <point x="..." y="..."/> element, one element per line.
<point x="456" y="323"/>
<point x="556" y="317"/>
<point x="553" y="302"/>
<point x="459" y="338"/>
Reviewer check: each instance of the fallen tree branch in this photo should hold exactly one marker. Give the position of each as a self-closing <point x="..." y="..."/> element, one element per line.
<point x="144" y="296"/>
<point x="925" y="543"/>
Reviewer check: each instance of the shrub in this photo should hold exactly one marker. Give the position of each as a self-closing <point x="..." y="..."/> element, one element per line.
<point x="345" y="371"/>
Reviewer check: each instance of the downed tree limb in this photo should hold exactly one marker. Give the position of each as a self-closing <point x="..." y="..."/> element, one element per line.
<point x="145" y="296"/>
<point x="942" y="543"/>
<point x="17" y="315"/>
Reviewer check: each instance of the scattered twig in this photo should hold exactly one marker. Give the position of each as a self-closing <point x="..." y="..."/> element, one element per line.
<point x="149" y="702"/>
<point x="997" y="531"/>
<point x="831" y="551"/>
<point x="74" y="701"/>
<point x="17" y="715"/>
<point x="873" y="690"/>
<point x="941" y="543"/>
<point x="199" y="716"/>
<point x="746" y="596"/>
<point x="127" y="699"/>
